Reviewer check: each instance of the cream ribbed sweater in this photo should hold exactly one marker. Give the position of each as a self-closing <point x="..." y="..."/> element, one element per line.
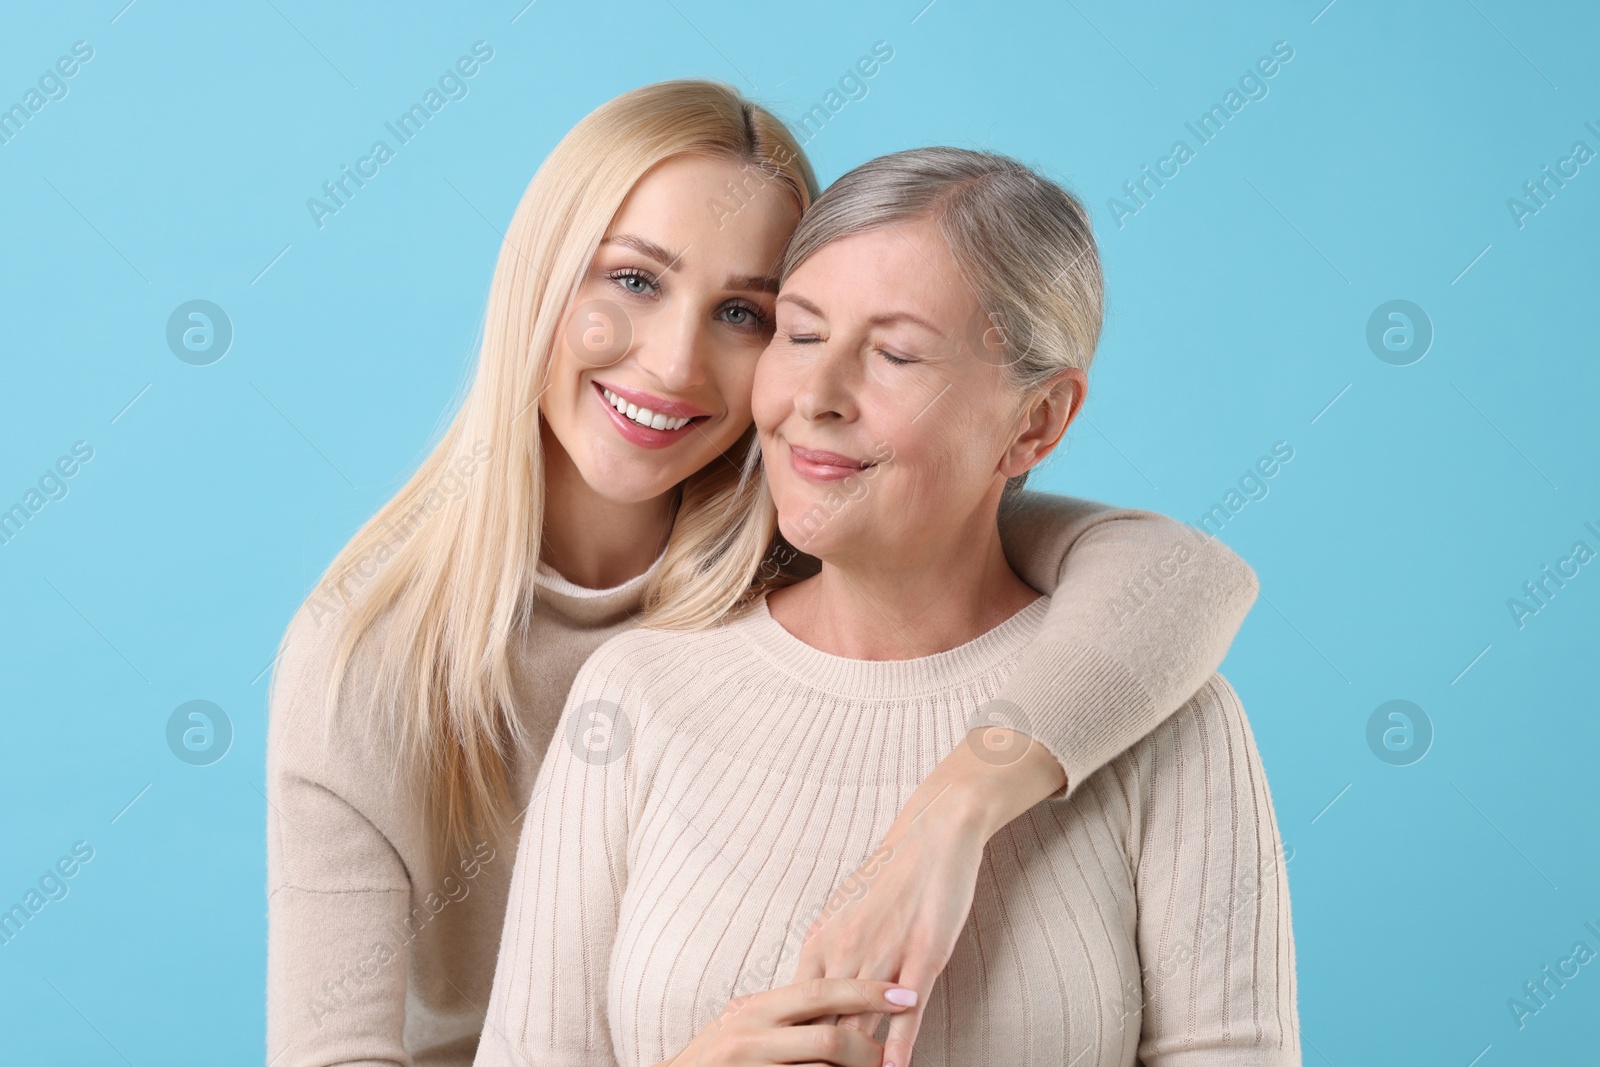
<point x="707" y="792"/>
<point x="376" y="954"/>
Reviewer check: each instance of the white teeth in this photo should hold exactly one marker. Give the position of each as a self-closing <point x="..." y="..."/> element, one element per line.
<point x="643" y="416"/>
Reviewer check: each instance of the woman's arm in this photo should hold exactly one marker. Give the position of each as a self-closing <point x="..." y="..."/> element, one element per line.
<point x="337" y="890"/>
<point x="1143" y="611"/>
<point x="1214" y="933"/>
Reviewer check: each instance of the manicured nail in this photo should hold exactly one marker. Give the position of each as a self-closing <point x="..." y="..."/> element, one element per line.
<point x="904" y="997"/>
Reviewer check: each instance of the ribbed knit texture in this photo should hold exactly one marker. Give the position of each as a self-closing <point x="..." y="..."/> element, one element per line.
<point x="706" y="793"/>
<point x="376" y="955"/>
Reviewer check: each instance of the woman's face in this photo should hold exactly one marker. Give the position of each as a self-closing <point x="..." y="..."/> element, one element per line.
<point x="887" y="424"/>
<point x="668" y="322"/>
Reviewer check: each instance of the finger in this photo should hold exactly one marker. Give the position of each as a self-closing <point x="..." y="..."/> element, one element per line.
<point x="820" y="1044"/>
<point x="902" y="1036"/>
<point x="811" y="963"/>
<point x="903" y="1027"/>
<point x="866" y="1021"/>
<point x="821" y="997"/>
<point x="814" y="961"/>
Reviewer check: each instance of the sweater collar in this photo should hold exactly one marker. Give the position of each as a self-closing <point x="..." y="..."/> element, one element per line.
<point x="593" y="607"/>
<point x="891" y="679"/>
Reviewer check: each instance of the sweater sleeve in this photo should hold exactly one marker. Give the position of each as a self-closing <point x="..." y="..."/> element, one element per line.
<point x="1215" y="942"/>
<point x="548" y="1005"/>
<point x="337" y="889"/>
<point x="1143" y="610"/>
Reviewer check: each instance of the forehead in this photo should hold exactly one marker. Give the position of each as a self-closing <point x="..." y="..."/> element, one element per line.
<point x="718" y="212"/>
<point x="903" y="266"/>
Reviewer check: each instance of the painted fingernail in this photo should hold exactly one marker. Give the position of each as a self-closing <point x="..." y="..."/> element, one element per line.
<point x="903" y="997"/>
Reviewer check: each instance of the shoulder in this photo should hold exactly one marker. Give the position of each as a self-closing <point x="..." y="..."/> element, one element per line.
<point x="1216" y="702"/>
<point x="648" y="651"/>
<point x="646" y="657"/>
<point x="1206" y="743"/>
<point x="656" y="674"/>
<point x="299" y="717"/>
<point x="333" y="774"/>
<point x="1198" y="765"/>
<point x="1215" y="705"/>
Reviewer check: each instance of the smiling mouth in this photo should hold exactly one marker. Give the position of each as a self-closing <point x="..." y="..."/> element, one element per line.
<point x="643" y="417"/>
<point x="821" y="466"/>
<point x="822" y="457"/>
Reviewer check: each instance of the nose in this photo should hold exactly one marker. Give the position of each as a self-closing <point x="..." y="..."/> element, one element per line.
<point x="672" y="347"/>
<point x="826" y="387"/>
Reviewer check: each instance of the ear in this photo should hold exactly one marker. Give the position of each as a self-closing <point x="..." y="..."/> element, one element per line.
<point x="1045" y="420"/>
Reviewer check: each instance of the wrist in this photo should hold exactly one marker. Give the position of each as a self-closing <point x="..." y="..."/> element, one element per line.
<point x="989" y="778"/>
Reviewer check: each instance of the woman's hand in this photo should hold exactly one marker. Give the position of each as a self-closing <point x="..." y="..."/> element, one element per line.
<point x="897" y="917"/>
<point x="762" y="1029"/>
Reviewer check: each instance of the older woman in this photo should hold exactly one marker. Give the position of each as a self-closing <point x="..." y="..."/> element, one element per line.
<point x="707" y="790"/>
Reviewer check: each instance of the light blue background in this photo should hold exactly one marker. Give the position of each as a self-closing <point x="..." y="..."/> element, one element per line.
<point x="1378" y="167"/>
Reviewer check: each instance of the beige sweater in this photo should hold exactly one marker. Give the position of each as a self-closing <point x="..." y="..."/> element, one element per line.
<point x="376" y="956"/>
<point x="707" y="792"/>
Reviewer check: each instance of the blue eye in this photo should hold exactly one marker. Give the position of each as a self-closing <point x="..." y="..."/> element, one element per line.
<point x="743" y="315"/>
<point x="636" y="282"/>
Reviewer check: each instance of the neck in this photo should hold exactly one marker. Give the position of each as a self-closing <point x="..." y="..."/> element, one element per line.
<point x="903" y="602"/>
<point x="592" y="541"/>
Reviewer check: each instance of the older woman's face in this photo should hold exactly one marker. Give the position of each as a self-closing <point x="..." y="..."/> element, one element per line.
<point x="886" y="422"/>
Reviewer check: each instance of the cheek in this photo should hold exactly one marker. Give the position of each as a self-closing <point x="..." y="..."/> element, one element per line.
<point x="770" y="395"/>
<point x="943" y="452"/>
<point x="561" y="380"/>
<point x="736" y="382"/>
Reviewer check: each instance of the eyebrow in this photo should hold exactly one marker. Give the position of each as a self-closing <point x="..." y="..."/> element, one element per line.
<point x="763" y="283"/>
<point x="876" y="320"/>
<point x="644" y="246"/>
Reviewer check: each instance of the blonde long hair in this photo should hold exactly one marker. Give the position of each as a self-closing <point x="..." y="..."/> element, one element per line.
<point x="454" y="570"/>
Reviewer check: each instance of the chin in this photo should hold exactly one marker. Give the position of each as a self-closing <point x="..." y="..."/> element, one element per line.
<point x="811" y="528"/>
<point x="625" y="480"/>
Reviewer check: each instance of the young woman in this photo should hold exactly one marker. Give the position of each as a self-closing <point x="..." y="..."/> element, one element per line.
<point x="598" y="468"/>
<point x="670" y="865"/>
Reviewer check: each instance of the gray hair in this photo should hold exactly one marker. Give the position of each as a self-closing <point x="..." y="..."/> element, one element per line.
<point x="1022" y="242"/>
